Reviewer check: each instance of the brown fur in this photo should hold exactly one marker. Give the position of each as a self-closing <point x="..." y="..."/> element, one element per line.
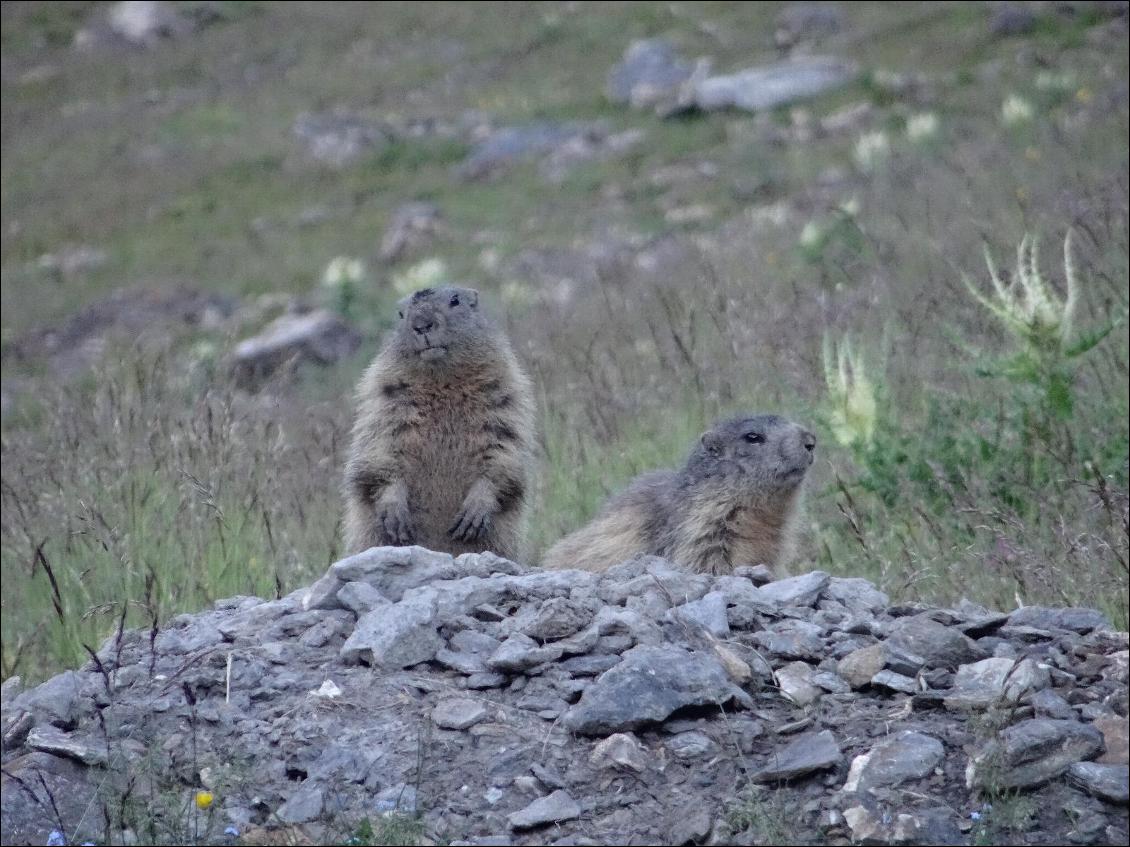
<point x="443" y="443"/>
<point x="734" y="503"/>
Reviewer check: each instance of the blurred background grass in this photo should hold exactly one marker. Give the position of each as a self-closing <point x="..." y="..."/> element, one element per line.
<point x="713" y="265"/>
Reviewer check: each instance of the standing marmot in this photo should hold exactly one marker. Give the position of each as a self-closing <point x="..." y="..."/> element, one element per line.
<point x="733" y="503"/>
<point x="443" y="443"/>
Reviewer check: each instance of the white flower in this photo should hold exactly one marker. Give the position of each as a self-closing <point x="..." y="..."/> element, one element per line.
<point x="871" y="150"/>
<point x="812" y="236"/>
<point x="1016" y="110"/>
<point x="850" y="207"/>
<point x="922" y="127"/>
<point x="425" y="274"/>
<point x="342" y="271"/>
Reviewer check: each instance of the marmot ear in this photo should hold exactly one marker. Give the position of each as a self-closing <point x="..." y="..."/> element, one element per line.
<point x="472" y="298"/>
<point x="711" y="441"/>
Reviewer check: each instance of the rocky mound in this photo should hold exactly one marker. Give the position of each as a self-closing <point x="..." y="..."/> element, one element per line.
<point x="408" y="694"/>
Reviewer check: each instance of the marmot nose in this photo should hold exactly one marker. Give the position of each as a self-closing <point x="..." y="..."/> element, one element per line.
<point x="422" y="326"/>
<point x="809" y="441"/>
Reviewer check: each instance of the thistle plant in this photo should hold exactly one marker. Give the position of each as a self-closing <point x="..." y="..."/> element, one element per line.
<point x="853" y="409"/>
<point x="1041" y="322"/>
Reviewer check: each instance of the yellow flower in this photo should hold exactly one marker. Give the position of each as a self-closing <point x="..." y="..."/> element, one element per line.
<point x="204" y="800"/>
<point x="1084" y="95"/>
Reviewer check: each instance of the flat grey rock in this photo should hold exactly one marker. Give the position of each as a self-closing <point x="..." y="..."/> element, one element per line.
<point x="647" y="686"/>
<point x="1107" y="782"/>
<point x="813" y="751"/>
<point x="902" y="757"/>
<point x="860" y="666"/>
<point x="856" y="594"/>
<point x="770" y="86"/>
<point x="1073" y="620"/>
<point x="708" y="613"/>
<point x="803" y="590"/>
<point x="520" y="652"/>
<point x="303" y="806"/>
<point x="394" y="636"/>
<point x="940" y="646"/>
<point x="1033" y="752"/>
<point x="458" y="713"/>
<point x="553" y="808"/>
<point x="50" y="739"/>
<point x="650" y="73"/>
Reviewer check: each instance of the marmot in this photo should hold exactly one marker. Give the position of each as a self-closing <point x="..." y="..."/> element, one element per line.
<point x="733" y="503"/>
<point x="443" y="443"/>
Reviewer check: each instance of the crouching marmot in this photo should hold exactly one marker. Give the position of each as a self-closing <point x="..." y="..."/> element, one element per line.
<point x="733" y="503"/>
<point x="443" y="443"/>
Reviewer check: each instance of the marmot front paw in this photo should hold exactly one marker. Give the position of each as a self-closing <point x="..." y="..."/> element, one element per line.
<point x="472" y="522"/>
<point x="395" y="524"/>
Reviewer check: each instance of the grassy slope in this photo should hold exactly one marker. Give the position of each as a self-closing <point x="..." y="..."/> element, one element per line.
<point x="180" y="163"/>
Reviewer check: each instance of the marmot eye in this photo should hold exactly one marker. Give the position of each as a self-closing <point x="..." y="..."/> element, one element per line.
<point x="401" y="314"/>
<point x="754" y="438"/>
<point x="454" y="300"/>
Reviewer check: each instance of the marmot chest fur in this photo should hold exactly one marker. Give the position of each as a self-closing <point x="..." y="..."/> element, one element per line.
<point x="733" y="503"/>
<point x="443" y="443"/>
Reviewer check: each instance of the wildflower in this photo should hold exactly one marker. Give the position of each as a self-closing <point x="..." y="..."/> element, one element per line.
<point x="812" y="236"/>
<point x="425" y="274"/>
<point x="922" y="127"/>
<point x="204" y="800"/>
<point x="850" y="207"/>
<point x="871" y="150"/>
<point x="852" y="394"/>
<point x="231" y="831"/>
<point x="1027" y="305"/>
<point x="976" y="816"/>
<point x="342" y="271"/>
<point x="1084" y="95"/>
<point x="1016" y="110"/>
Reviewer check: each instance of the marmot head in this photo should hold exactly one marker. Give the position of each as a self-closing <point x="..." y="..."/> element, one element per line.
<point x="770" y="452"/>
<point x="441" y="326"/>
